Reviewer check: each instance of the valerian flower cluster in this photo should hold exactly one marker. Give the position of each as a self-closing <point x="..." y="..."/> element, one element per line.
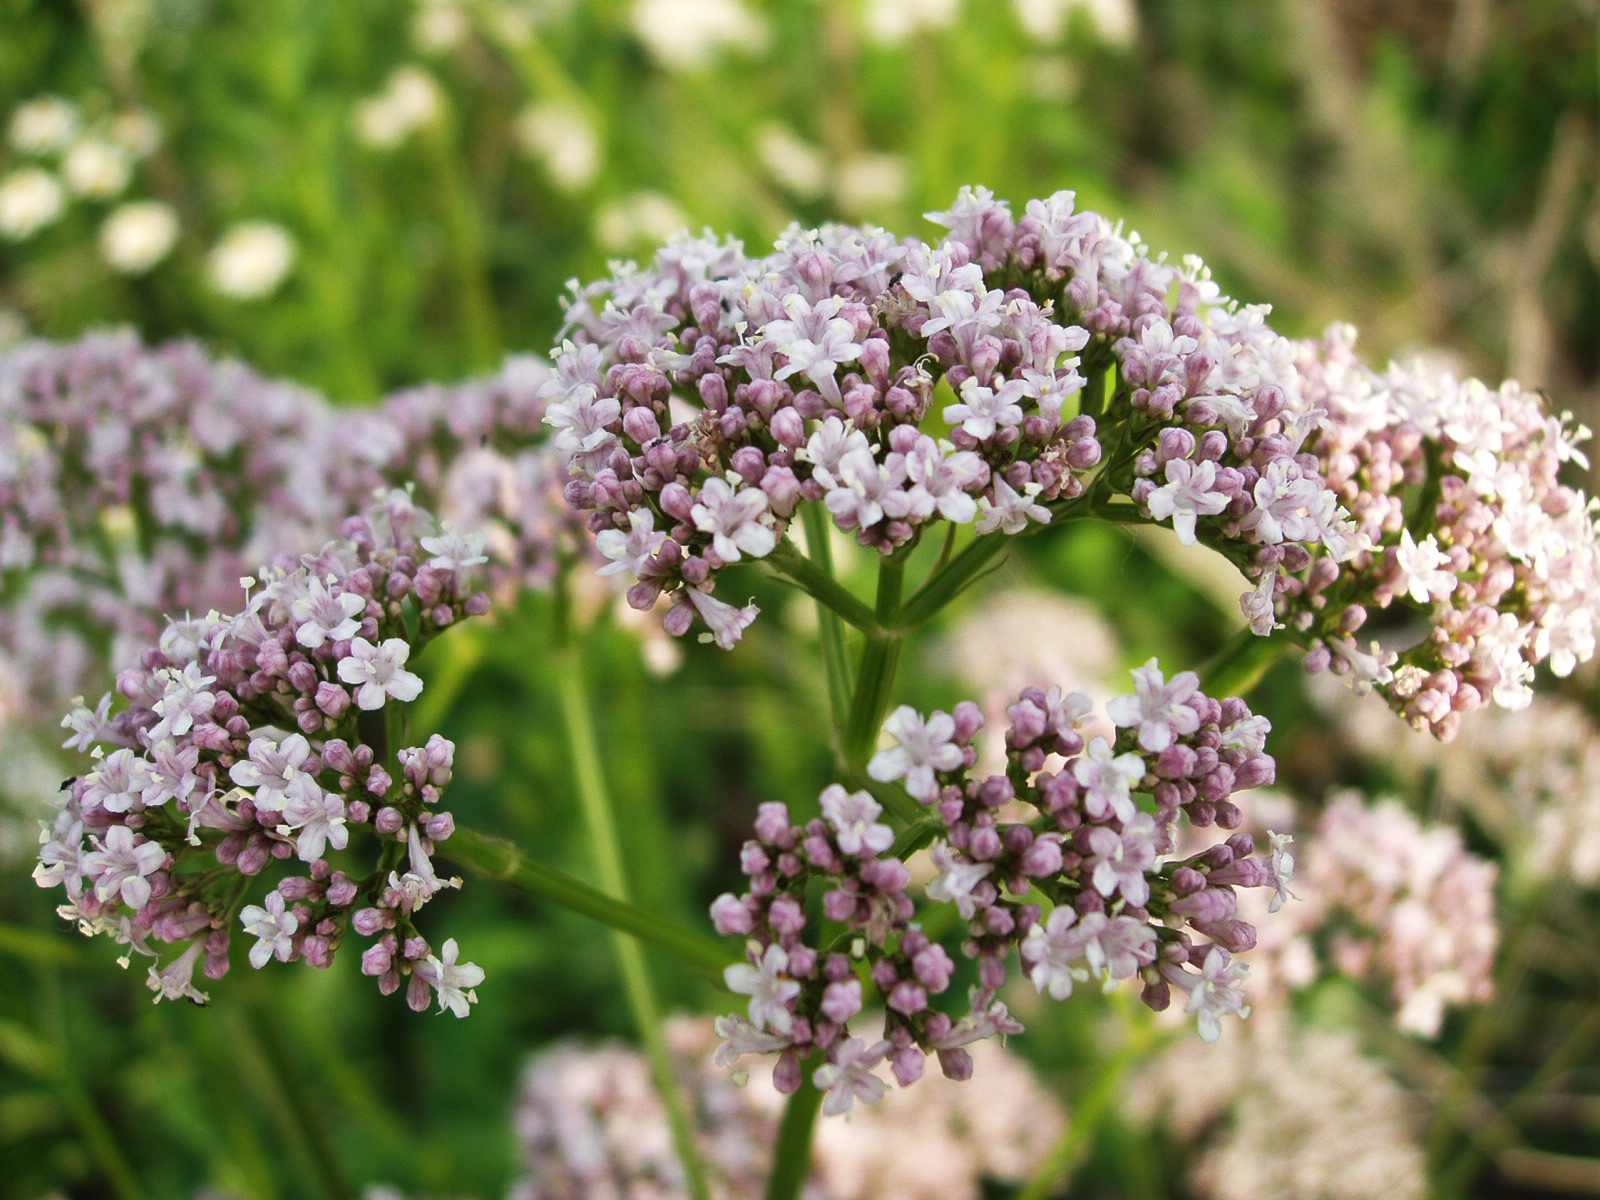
<point x="1010" y="373"/>
<point x="1462" y="521"/>
<point x="138" y="483"/>
<point x="248" y="740"/>
<point x="1093" y="840"/>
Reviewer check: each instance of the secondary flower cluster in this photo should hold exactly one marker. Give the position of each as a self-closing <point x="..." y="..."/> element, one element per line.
<point x="479" y="455"/>
<point x="979" y="381"/>
<point x="1403" y="903"/>
<point x="590" y="1123"/>
<point x="137" y="483"/>
<point x="1463" y="521"/>
<point x="140" y="483"/>
<point x="1092" y="838"/>
<point x="252" y="738"/>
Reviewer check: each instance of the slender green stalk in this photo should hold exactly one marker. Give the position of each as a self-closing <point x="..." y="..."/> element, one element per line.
<point x="791" y="1159"/>
<point x="947" y="583"/>
<point x="55" y="1067"/>
<point x="1241" y="663"/>
<point x="879" y="659"/>
<point x="464" y="227"/>
<point x="835" y="660"/>
<point x="494" y="858"/>
<point x="595" y="801"/>
<point x="1484" y="1027"/>
<point x="814" y="575"/>
<point x="287" y="1096"/>
<point x="1087" y="1116"/>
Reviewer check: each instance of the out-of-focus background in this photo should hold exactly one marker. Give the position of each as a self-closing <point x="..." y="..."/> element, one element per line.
<point x="365" y="195"/>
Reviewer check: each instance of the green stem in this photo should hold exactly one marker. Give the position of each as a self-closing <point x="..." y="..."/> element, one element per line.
<point x="1483" y="1028"/>
<point x="943" y="586"/>
<point x="595" y="801"/>
<point x="814" y="575"/>
<point x="879" y="659"/>
<point x="1087" y="1116"/>
<point x="290" y="1102"/>
<point x="494" y="858"/>
<point x="464" y="227"/>
<point x="791" y="1159"/>
<point x="1236" y="668"/>
<point x="835" y="660"/>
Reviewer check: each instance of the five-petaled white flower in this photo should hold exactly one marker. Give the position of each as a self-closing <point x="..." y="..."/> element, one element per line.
<point x="451" y="982"/>
<point x="768" y="989"/>
<point x="326" y="616"/>
<point x="733" y="518"/>
<point x="1189" y="493"/>
<point x="1107" y="781"/>
<point x="631" y="551"/>
<point x="274" y="926"/>
<point x="121" y="865"/>
<point x="1158" y="710"/>
<point x="379" y="672"/>
<point x="848" y="1076"/>
<point x="924" y="747"/>
<point x="854" y="817"/>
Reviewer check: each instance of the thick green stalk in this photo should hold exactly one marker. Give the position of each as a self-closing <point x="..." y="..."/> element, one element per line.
<point x="494" y="858"/>
<point x="595" y="801"/>
<point x="791" y="1158"/>
<point x="1087" y="1115"/>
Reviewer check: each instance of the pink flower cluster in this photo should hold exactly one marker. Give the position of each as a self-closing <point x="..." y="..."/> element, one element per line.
<point x="981" y="380"/>
<point x="1090" y="827"/>
<point x="142" y="482"/>
<point x="1403" y="903"/>
<point x="1462" y="517"/>
<point x="241" y="744"/>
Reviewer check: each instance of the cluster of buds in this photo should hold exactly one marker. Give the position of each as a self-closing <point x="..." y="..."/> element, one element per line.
<point x="270" y="735"/>
<point x="1095" y="839"/>
<point x="1463" y="524"/>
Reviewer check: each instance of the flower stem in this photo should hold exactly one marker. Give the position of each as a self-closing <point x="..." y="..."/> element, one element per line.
<point x="595" y="801"/>
<point x="814" y="575"/>
<point x="945" y="584"/>
<point x="791" y="1159"/>
<point x="494" y="858"/>
<point x="1240" y="664"/>
<point x="879" y="659"/>
<point x="835" y="661"/>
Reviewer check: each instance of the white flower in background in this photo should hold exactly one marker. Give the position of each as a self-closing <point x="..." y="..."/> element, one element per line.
<point x="30" y="198"/>
<point x="893" y="21"/>
<point x="251" y="260"/>
<point x="439" y="25"/>
<point x="137" y="236"/>
<point x="43" y="125"/>
<point x="96" y="168"/>
<point x="797" y="166"/>
<point x="685" y="35"/>
<point x="647" y="217"/>
<point x="135" y="131"/>
<point x="563" y="140"/>
<point x="1046" y="20"/>
<point x="410" y="100"/>
<point x="870" y="182"/>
